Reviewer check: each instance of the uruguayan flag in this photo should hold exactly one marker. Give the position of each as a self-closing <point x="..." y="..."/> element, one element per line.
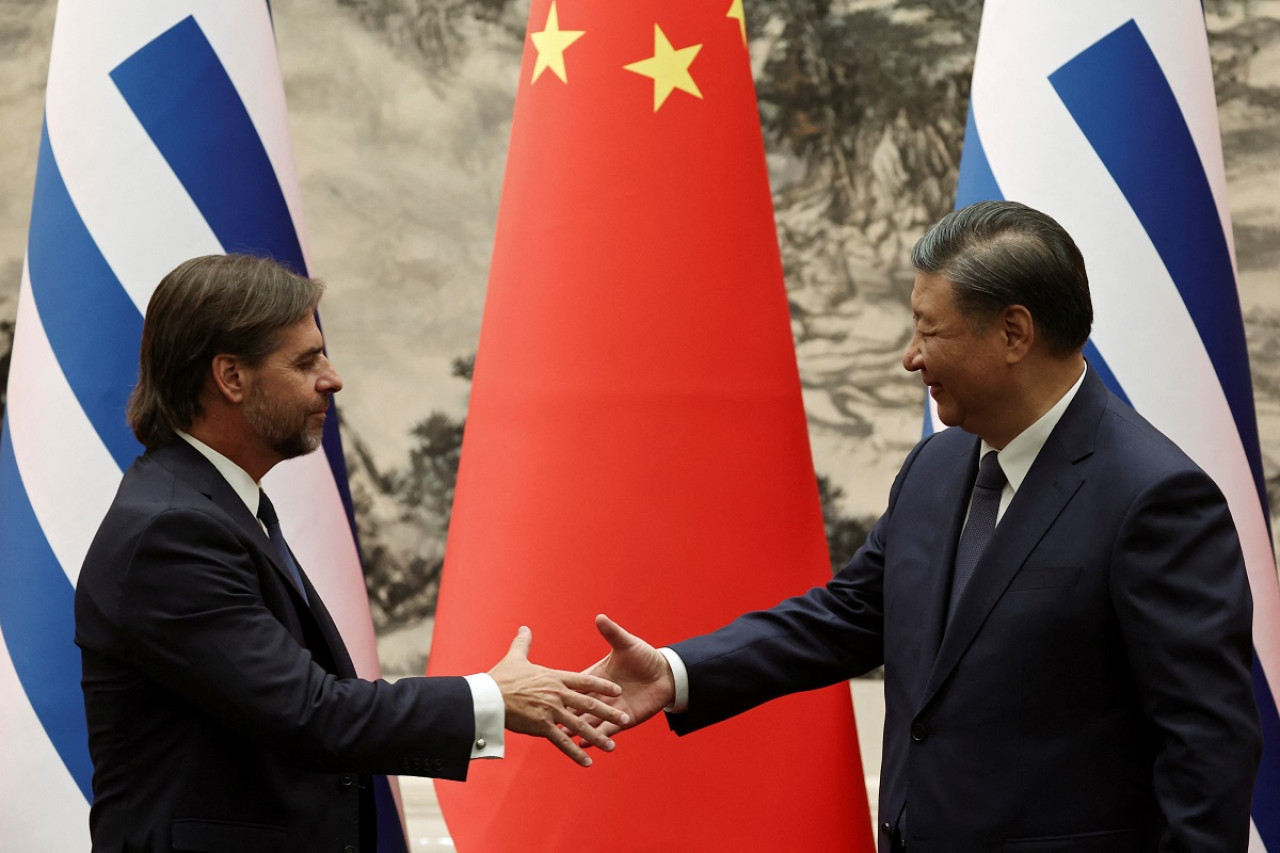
<point x="1102" y="114"/>
<point x="165" y="137"/>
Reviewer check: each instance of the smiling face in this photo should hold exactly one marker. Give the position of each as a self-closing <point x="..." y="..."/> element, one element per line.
<point x="287" y="400"/>
<point x="962" y="361"/>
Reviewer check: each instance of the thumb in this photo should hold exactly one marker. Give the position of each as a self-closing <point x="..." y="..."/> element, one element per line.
<point x="520" y="645"/>
<point x="614" y="634"/>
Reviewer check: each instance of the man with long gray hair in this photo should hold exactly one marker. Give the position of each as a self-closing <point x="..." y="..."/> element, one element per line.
<point x="224" y="711"/>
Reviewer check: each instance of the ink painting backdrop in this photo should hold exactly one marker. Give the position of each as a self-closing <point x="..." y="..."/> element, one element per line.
<point x="400" y="113"/>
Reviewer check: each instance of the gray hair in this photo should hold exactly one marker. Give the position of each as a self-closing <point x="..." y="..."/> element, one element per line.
<point x="1002" y="253"/>
<point x="234" y="304"/>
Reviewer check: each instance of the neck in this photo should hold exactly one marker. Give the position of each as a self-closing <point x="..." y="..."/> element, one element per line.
<point x="237" y="444"/>
<point x="1043" y="382"/>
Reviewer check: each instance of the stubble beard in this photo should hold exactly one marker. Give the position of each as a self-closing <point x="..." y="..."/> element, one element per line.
<point x="287" y="432"/>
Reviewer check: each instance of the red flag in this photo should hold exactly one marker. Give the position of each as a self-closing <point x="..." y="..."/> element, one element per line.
<point x="636" y="442"/>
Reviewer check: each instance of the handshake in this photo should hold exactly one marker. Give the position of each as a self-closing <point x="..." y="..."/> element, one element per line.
<point x="573" y="710"/>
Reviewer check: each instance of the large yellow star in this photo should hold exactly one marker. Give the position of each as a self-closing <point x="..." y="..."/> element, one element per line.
<point x="736" y="12"/>
<point x="551" y="44"/>
<point x="668" y="67"/>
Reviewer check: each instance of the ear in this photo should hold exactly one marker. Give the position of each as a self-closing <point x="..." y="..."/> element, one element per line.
<point x="1019" y="330"/>
<point x="229" y="378"/>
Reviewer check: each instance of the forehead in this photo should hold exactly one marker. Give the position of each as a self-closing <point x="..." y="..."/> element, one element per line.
<point x="931" y="295"/>
<point x="301" y="337"/>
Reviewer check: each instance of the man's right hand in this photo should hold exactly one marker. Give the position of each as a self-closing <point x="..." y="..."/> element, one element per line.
<point x="555" y="704"/>
<point x="639" y="670"/>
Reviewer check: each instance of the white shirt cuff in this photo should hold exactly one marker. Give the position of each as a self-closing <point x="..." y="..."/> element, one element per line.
<point x="490" y="716"/>
<point x="681" y="676"/>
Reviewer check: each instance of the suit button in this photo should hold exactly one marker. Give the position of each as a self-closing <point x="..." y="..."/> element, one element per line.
<point x="886" y="828"/>
<point x="919" y="732"/>
<point x="346" y="780"/>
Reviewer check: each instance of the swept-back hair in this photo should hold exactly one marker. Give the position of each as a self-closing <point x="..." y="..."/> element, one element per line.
<point x="1002" y="253"/>
<point x="216" y="304"/>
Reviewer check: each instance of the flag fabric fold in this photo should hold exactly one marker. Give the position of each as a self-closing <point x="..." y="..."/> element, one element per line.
<point x="1103" y="115"/>
<point x="165" y="137"/>
<point x="636" y="442"/>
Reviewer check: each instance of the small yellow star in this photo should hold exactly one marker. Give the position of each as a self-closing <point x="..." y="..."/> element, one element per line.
<point x="668" y="67"/>
<point x="551" y="44"/>
<point x="736" y="12"/>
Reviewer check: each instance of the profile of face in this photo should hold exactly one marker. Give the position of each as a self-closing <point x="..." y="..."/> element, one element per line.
<point x="288" y="399"/>
<point x="962" y="362"/>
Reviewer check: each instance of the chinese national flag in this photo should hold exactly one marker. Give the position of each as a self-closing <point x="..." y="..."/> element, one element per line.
<point x="636" y="443"/>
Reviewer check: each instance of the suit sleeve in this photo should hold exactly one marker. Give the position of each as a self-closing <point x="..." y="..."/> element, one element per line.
<point x="193" y="618"/>
<point x="829" y="634"/>
<point x="1182" y="596"/>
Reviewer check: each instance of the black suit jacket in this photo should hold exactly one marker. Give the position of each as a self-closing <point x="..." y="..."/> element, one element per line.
<point x="1092" y="691"/>
<point x="224" y="713"/>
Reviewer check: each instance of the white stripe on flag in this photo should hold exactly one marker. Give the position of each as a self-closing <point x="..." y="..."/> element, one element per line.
<point x="138" y="213"/>
<point x="54" y="815"/>
<point x="69" y="476"/>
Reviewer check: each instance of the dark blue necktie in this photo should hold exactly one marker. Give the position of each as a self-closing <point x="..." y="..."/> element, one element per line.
<point x="271" y="521"/>
<point x="982" y="523"/>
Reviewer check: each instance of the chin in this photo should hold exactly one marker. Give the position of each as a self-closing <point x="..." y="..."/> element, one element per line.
<point x="300" y="445"/>
<point x="946" y="415"/>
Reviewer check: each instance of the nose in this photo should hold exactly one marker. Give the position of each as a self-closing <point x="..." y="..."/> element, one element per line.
<point x="330" y="382"/>
<point x="911" y="358"/>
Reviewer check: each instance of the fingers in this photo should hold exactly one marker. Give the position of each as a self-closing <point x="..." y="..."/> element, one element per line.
<point x="587" y="707"/>
<point x="606" y="729"/>
<point x="570" y="747"/>
<point x="571" y="724"/>
<point x="584" y="683"/>
<point x="520" y="645"/>
<point x="572" y="735"/>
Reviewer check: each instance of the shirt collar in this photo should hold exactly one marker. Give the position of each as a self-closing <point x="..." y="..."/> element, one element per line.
<point x="1020" y="454"/>
<point x="236" y="477"/>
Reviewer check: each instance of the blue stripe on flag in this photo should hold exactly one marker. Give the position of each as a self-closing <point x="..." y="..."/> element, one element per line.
<point x="390" y="831"/>
<point x="92" y="325"/>
<point x="1118" y="95"/>
<point x="180" y="92"/>
<point x="187" y="104"/>
<point x="976" y="182"/>
<point x="37" y="616"/>
<point x="1100" y="366"/>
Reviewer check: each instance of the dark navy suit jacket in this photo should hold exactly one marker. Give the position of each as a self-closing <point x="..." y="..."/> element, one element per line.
<point x="224" y="713"/>
<point x="1092" y="691"/>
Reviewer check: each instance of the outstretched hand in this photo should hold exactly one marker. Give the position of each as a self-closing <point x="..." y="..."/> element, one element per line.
<point x="639" y="670"/>
<point x="555" y="704"/>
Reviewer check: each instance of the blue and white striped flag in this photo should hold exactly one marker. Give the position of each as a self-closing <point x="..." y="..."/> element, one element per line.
<point x="1102" y="114"/>
<point x="165" y="137"/>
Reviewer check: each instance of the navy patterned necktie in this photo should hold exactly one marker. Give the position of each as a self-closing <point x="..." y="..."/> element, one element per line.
<point x="983" y="509"/>
<point x="267" y="513"/>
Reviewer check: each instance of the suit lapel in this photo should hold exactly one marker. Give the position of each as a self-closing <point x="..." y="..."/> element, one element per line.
<point x="951" y="491"/>
<point x="1053" y="480"/>
<point x="190" y="465"/>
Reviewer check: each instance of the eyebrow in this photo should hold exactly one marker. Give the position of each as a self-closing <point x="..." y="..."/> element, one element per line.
<point x="309" y="352"/>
